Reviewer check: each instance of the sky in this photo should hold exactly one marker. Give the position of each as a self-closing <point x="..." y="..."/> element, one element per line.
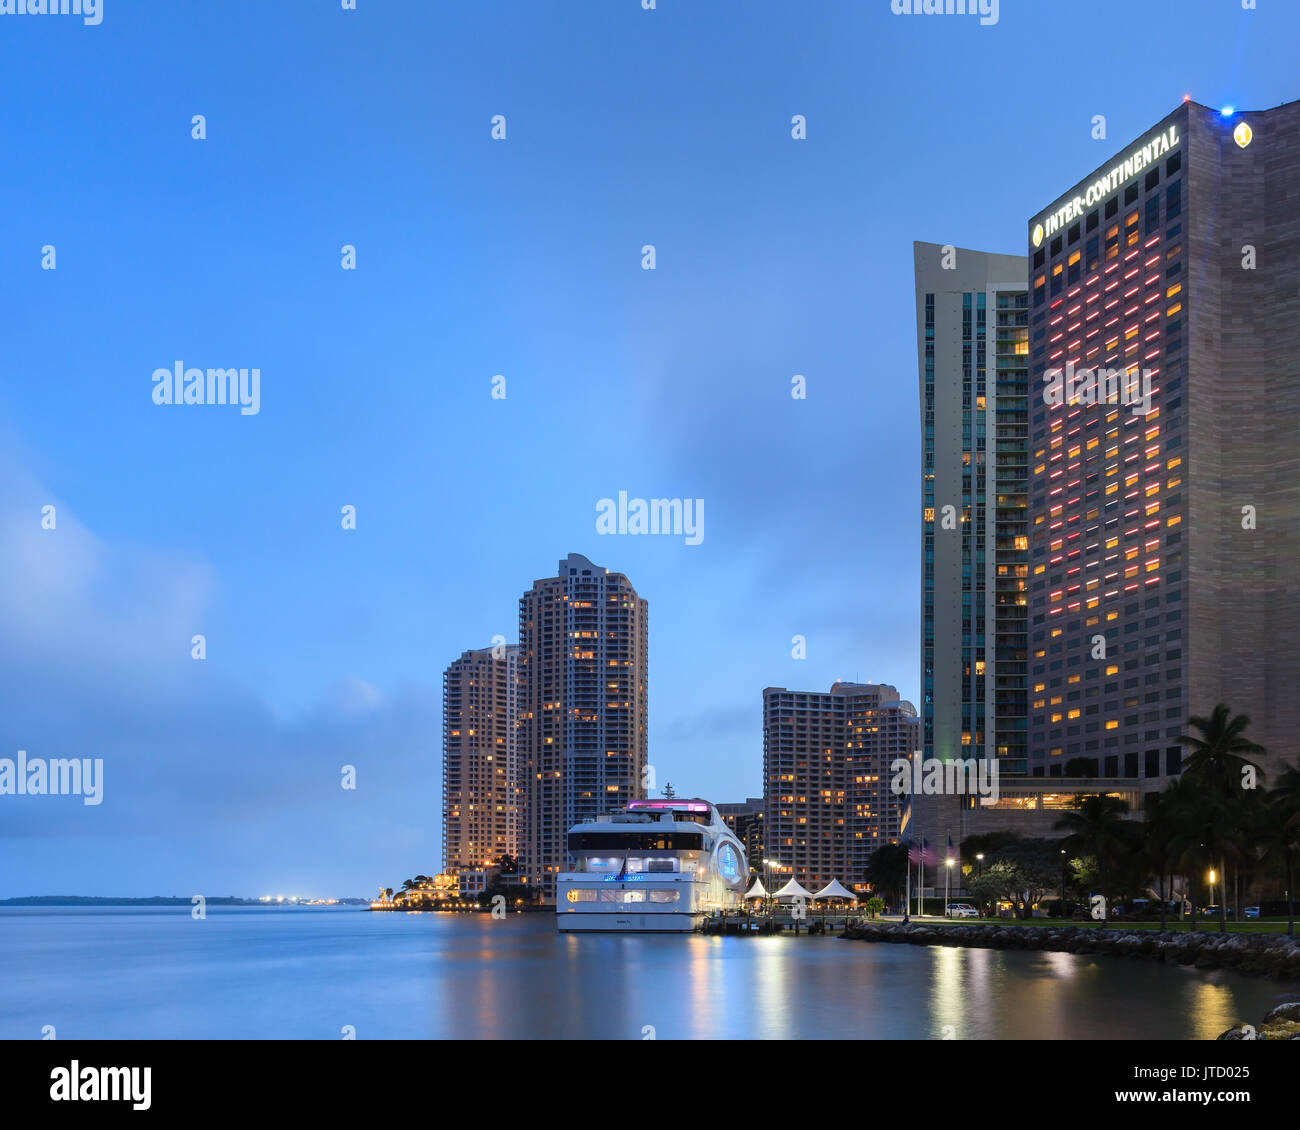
<point x="478" y="257"/>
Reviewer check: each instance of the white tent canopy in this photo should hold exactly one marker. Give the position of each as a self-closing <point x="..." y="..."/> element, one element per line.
<point x="834" y="890"/>
<point x="757" y="891"/>
<point x="792" y="890"/>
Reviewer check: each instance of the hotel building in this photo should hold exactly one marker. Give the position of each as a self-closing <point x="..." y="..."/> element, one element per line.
<point x="482" y="786"/>
<point x="584" y="657"/>
<point x="972" y="323"/>
<point x="826" y="759"/>
<point x="1165" y="533"/>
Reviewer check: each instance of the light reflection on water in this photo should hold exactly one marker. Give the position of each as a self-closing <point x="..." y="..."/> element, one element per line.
<point x="275" y="973"/>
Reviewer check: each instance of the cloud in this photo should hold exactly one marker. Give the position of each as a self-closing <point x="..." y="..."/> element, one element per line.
<point x="206" y="785"/>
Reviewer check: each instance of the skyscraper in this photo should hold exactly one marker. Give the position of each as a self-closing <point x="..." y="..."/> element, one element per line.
<point x="972" y="344"/>
<point x="482" y="786"/>
<point x="584" y="656"/>
<point x="826" y="778"/>
<point x="1165" y="437"/>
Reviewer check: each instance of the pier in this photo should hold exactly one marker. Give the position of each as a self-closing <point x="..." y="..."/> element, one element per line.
<point x="783" y="921"/>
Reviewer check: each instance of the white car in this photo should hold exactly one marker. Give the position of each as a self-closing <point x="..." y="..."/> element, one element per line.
<point x="962" y="910"/>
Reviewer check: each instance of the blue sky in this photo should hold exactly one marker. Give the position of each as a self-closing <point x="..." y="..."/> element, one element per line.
<point x="625" y="127"/>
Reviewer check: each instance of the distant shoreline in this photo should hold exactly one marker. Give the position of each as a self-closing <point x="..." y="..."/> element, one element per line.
<point x="162" y="900"/>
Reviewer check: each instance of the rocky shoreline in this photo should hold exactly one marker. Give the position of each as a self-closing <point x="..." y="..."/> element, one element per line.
<point x="1264" y="955"/>
<point x="1281" y="1023"/>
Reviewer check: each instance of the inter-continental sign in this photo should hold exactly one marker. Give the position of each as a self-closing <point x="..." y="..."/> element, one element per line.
<point x="1103" y="186"/>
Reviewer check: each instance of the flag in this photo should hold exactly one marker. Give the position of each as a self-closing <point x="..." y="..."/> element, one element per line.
<point x="928" y="854"/>
<point x="951" y="854"/>
<point x="913" y="851"/>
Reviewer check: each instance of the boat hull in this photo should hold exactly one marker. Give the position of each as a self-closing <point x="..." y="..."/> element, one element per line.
<point x="622" y="922"/>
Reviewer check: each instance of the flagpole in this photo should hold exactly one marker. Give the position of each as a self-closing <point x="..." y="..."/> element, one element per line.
<point x="921" y="891"/>
<point x="907" y="897"/>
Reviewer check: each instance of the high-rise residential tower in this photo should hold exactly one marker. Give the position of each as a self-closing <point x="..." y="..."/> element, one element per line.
<point x="584" y="657"/>
<point x="972" y="344"/>
<point x="1165" y="444"/>
<point x="826" y="779"/>
<point x="482" y="784"/>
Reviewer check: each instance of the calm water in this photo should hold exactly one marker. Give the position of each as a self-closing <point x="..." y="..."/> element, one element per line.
<point x="271" y="973"/>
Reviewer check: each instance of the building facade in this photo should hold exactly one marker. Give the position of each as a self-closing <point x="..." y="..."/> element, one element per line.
<point x="1165" y="463"/>
<point x="482" y="783"/>
<point x="584" y="660"/>
<point x="972" y="322"/>
<point x="826" y="772"/>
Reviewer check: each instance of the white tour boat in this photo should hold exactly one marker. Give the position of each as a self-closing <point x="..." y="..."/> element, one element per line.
<point x="657" y="866"/>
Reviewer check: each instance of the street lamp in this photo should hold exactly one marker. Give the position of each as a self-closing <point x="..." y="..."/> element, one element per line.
<point x="1062" y="884"/>
<point x="766" y="864"/>
<point x="947" y="885"/>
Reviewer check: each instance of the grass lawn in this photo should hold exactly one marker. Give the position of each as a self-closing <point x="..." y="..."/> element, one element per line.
<point x="1203" y="925"/>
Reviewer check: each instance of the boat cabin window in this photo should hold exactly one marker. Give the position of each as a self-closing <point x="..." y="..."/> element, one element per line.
<point x="652" y="839"/>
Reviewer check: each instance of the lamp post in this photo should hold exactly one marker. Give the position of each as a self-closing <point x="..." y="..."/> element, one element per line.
<point x="1062" y="884"/>
<point x="947" y="884"/>
<point x="768" y="863"/>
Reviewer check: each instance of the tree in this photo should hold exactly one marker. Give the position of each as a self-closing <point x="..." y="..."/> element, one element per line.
<point x="1099" y="826"/>
<point x="507" y="864"/>
<point x="1186" y="810"/>
<point x="1219" y="764"/>
<point x="1081" y="767"/>
<point x="1277" y="832"/>
<point x="1158" y="833"/>
<point x="1000" y="882"/>
<point x="987" y="844"/>
<point x="1038" y="870"/>
<point x="886" y="870"/>
<point x="875" y="905"/>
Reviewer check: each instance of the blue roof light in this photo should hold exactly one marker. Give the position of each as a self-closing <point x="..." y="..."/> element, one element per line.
<point x="1228" y="111"/>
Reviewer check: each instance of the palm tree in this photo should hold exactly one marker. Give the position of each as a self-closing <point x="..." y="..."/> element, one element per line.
<point x="1277" y="833"/>
<point x="1159" y="832"/>
<point x="1099" y="826"/>
<point x="1218" y="763"/>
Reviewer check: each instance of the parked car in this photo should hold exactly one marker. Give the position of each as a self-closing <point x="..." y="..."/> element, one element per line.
<point x="1213" y="911"/>
<point x="962" y="910"/>
<point x="1252" y="912"/>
